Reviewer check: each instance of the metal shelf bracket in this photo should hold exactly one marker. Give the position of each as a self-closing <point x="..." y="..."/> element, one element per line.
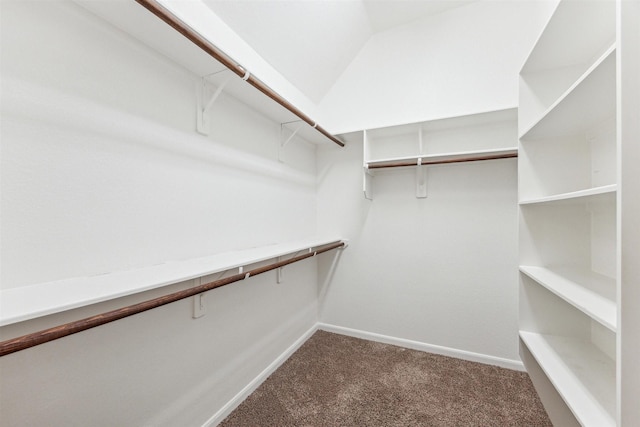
<point x="204" y="103"/>
<point x="285" y="141"/>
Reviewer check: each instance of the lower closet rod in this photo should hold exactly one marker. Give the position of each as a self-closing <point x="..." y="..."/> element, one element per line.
<point x="46" y="335"/>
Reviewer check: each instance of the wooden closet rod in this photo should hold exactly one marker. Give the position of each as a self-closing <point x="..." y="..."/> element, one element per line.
<point x="46" y="335"/>
<point x="440" y="162"/>
<point x="154" y="7"/>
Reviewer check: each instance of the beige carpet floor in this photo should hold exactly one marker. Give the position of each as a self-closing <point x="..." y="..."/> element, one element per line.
<point x="334" y="380"/>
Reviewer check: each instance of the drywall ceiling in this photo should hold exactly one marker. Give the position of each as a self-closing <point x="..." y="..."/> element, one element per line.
<point x="311" y="42"/>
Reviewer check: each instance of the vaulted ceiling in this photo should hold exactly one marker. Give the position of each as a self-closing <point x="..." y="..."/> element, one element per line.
<point x="311" y="42"/>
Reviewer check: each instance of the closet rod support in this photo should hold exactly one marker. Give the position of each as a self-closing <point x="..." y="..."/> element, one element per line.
<point x="155" y="7"/>
<point x="283" y="144"/>
<point x="204" y="106"/>
<point x="421" y="180"/>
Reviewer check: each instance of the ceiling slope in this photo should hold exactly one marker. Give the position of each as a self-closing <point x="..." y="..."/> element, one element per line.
<point x="312" y="42"/>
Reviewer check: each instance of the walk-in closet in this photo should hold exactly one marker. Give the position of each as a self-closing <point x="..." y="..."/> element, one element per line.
<point x="318" y="212"/>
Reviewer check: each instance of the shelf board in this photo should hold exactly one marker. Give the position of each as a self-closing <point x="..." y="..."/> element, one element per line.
<point x="427" y="159"/>
<point x="591" y="293"/>
<point x="582" y="375"/>
<point x="589" y="101"/>
<point x="590" y="194"/>
<point x="28" y="302"/>
<point x="445" y="123"/>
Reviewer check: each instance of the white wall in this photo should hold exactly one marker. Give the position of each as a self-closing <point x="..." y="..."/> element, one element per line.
<point x="461" y="61"/>
<point x="441" y="271"/>
<point x="102" y="171"/>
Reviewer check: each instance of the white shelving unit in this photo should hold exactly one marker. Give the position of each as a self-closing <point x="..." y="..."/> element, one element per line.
<point x="482" y="136"/>
<point x="568" y="191"/>
<point x="28" y="302"/>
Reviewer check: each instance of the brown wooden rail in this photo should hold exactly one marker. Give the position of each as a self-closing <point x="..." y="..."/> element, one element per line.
<point x="36" y="338"/>
<point x="414" y="162"/>
<point x="154" y="7"/>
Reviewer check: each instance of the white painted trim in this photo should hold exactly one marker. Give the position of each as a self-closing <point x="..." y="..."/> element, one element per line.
<point x="229" y="407"/>
<point x="516" y="365"/>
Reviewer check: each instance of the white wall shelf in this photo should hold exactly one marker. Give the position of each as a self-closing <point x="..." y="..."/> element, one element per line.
<point x="573" y="112"/>
<point x="483" y="136"/>
<point x="139" y="23"/>
<point x="605" y="192"/>
<point x="591" y="293"/>
<point x="582" y="375"/>
<point x="28" y="302"/>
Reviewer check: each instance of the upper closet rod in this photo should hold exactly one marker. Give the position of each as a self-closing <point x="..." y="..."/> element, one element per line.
<point x="154" y="7"/>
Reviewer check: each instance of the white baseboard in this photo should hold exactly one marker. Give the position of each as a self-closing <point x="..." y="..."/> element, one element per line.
<point x="255" y="383"/>
<point x="516" y="365"/>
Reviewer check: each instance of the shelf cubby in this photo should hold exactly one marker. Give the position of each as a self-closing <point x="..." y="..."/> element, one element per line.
<point x="592" y="293"/>
<point x="569" y="166"/>
<point x="576" y="37"/>
<point x="583" y="375"/>
<point x="576" y="235"/>
<point x="590" y="99"/>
